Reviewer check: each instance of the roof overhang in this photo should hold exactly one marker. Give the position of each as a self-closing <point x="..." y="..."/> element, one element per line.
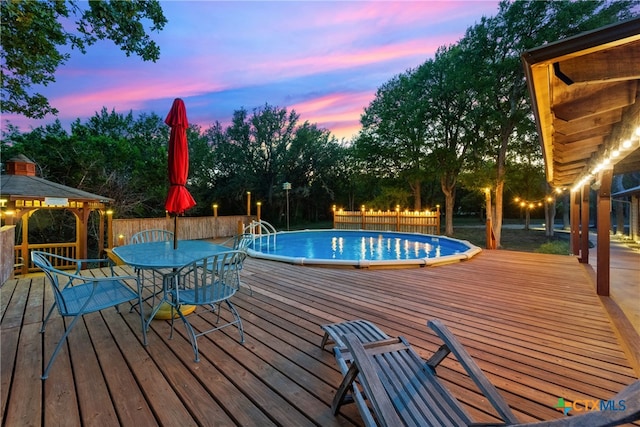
<point x="585" y="91"/>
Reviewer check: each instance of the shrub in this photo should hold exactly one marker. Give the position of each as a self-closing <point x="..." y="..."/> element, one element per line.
<point x="556" y="247"/>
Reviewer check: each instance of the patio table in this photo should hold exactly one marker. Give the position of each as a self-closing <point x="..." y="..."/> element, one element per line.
<point x="160" y="256"/>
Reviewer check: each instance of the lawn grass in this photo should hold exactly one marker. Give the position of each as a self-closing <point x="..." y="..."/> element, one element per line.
<point x="517" y="239"/>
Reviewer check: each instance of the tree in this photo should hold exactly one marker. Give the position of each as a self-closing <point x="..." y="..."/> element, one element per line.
<point x="36" y="36"/>
<point x="312" y="158"/>
<point x="493" y="47"/>
<point x="201" y="174"/>
<point x="123" y="158"/>
<point x="261" y="151"/>
<point x="447" y="95"/>
<point x="110" y="154"/>
<point x="393" y="135"/>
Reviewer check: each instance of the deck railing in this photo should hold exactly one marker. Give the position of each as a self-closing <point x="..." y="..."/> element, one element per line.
<point x="424" y="222"/>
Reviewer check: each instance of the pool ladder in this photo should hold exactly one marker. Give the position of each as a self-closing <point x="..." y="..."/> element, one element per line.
<point x="262" y="231"/>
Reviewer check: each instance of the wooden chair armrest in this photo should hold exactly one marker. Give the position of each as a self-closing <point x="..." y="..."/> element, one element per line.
<point x="362" y="362"/>
<point x="474" y="371"/>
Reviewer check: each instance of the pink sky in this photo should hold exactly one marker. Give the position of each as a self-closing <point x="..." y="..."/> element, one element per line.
<point x="324" y="59"/>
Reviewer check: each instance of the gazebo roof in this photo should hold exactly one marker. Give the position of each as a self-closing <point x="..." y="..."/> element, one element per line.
<point x="20" y="183"/>
<point x="32" y="187"/>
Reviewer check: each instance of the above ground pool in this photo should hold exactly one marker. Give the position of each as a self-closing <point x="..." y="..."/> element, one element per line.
<point x="360" y="248"/>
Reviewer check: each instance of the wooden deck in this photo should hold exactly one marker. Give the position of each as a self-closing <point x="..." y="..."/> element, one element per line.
<point x="532" y="322"/>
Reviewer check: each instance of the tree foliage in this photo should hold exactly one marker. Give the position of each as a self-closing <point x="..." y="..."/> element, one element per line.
<point x="259" y="152"/>
<point x="36" y="39"/>
<point x="393" y="138"/>
<point x="469" y="106"/>
<point x="462" y="118"/>
<point x="493" y="47"/>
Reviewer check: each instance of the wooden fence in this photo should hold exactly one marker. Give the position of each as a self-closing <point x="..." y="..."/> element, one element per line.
<point x="425" y="222"/>
<point x="205" y="227"/>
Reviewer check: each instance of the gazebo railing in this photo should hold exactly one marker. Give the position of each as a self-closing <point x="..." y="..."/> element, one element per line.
<point x="23" y="262"/>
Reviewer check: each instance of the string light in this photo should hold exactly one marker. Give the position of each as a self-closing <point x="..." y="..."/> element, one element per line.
<point x="549" y="198"/>
<point x="607" y="158"/>
<point x="531" y="204"/>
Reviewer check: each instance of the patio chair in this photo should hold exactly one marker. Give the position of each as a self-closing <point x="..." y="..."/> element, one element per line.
<point x="241" y="242"/>
<point x="146" y="236"/>
<point x="151" y="235"/>
<point x="403" y="389"/>
<point x="207" y="282"/>
<point x="363" y="329"/>
<point x="76" y="295"/>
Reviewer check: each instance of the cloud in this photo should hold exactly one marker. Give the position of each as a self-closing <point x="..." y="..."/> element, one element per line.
<point x="324" y="59"/>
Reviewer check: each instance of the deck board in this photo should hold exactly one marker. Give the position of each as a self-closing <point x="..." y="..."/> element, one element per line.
<point x="532" y="322"/>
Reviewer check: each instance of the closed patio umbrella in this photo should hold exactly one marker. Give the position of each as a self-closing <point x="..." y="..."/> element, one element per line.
<point x="178" y="199"/>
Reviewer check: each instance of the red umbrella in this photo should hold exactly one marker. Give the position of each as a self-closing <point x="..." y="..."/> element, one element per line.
<point x="179" y="199"/>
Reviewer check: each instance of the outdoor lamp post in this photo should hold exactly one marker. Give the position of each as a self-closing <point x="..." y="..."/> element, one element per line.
<point x="215" y="220"/>
<point x="287" y="186"/>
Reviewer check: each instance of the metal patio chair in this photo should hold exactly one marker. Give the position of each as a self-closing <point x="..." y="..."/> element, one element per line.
<point x="146" y="236"/>
<point x="76" y="295"/>
<point x="208" y="282"/>
<point x="241" y="242"/>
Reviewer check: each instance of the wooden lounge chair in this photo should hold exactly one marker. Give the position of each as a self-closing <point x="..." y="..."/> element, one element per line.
<point x="364" y="330"/>
<point x="402" y="389"/>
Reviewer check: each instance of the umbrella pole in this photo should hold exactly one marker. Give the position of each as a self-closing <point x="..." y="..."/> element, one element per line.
<point x="175" y="232"/>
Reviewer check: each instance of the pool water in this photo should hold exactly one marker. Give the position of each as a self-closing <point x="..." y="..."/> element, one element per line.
<point x="360" y="248"/>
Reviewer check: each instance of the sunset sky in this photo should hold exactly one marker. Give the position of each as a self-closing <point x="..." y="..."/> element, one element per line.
<point x="324" y="59"/>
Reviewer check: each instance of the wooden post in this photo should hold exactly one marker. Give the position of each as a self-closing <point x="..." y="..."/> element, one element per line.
<point x="259" y="206"/>
<point x="397" y="217"/>
<point x="110" y="228"/>
<point x="363" y="221"/>
<point x="334" y="216"/>
<point x="634" y="218"/>
<point x="574" y="222"/>
<point x="102" y="214"/>
<point x="215" y="221"/>
<point x="248" y="203"/>
<point x="82" y="221"/>
<point x="26" y="256"/>
<point x="584" y="225"/>
<point x="603" y="237"/>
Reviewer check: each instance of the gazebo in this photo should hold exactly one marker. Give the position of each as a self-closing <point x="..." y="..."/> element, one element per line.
<point x="585" y="91"/>
<point x="22" y="193"/>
